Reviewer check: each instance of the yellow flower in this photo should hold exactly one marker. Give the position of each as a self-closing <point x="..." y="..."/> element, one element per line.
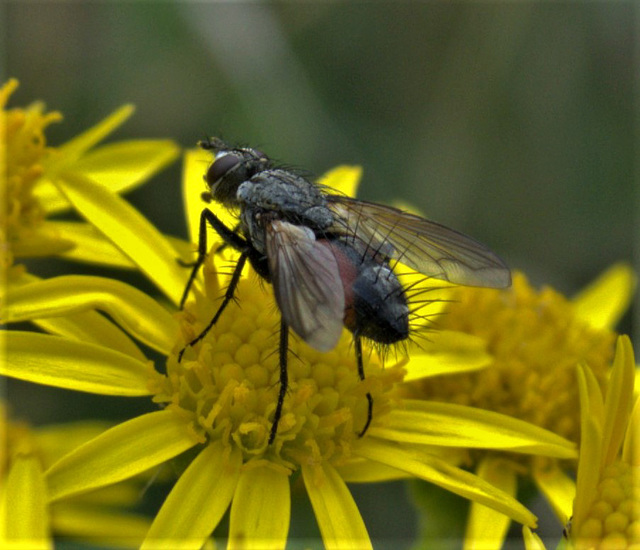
<point x="27" y="518"/>
<point x="536" y="338"/>
<point x="28" y="171"/>
<point x="606" y="509"/>
<point x="220" y="399"/>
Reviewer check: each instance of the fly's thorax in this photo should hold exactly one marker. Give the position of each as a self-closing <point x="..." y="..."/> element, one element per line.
<point x="293" y="197"/>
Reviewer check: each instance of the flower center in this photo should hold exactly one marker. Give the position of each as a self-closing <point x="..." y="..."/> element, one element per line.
<point x="536" y="341"/>
<point x="23" y="148"/>
<point x="229" y="381"/>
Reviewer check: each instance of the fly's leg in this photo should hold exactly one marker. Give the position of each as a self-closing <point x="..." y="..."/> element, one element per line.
<point x="225" y="244"/>
<point x="358" y="346"/>
<point x="202" y="254"/>
<point x="229" y="237"/>
<point x="232" y="239"/>
<point x="228" y="296"/>
<point x="284" y="378"/>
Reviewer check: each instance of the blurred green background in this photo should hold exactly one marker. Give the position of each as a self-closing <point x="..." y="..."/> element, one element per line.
<point x="512" y="122"/>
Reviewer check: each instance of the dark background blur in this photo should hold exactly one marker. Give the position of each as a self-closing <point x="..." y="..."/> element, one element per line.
<point x="513" y="123"/>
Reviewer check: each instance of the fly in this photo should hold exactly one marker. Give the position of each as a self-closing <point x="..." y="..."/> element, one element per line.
<point x="328" y="256"/>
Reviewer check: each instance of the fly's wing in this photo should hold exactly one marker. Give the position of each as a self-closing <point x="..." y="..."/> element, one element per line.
<point x="306" y="283"/>
<point x="423" y="245"/>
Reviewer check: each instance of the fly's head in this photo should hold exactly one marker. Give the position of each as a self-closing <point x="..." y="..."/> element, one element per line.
<point x="232" y="166"/>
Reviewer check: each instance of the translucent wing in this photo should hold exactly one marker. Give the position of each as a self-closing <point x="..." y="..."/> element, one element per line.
<point x="426" y="246"/>
<point x="306" y="283"/>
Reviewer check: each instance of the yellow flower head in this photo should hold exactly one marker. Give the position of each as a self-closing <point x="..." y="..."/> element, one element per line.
<point x="536" y="339"/>
<point x="23" y="149"/>
<point x="31" y="168"/>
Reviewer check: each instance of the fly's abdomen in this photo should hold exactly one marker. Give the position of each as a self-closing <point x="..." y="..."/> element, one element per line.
<point x="375" y="302"/>
<point x="380" y="308"/>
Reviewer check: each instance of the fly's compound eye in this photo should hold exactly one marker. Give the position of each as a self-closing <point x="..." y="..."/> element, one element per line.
<point x="220" y="167"/>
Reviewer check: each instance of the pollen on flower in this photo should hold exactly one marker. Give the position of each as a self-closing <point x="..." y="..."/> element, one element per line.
<point x="23" y="149"/>
<point x="613" y="519"/>
<point x="536" y="341"/>
<point x="228" y="383"/>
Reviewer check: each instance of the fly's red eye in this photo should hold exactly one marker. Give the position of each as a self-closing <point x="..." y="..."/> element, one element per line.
<point x="220" y="168"/>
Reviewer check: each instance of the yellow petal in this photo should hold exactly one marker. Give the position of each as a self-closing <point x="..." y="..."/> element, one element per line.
<point x="261" y="510"/>
<point x="45" y="191"/>
<point x="55" y="440"/>
<point x="591" y="413"/>
<point x="43" y="244"/>
<point x="631" y="448"/>
<point x="62" y="363"/>
<point x="90" y="245"/>
<point x="49" y="196"/>
<point x="120" y="167"/>
<point x="198" y="500"/>
<point x="448" y="352"/>
<point x="439" y="472"/>
<point x="99" y="525"/>
<point x="487" y="528"/>
<point x="337" y="514"/>
<point x="605" y="300"/>
<point x="344" y="179"/>
<point x="120" y="453"/>
<point x="558" y="488"/>
<point x="594" y="403"/>
<point x="89" y="327"/>
<point x="92" y="328"/>
<point x="129" y="231"/>
<point x="451" y="425"/>
<point x="531" y="540"/>
<point x="619" y="400"/>
<point x="358" y="470"/>
<point x="124" y="165"/>
<point x="26" y="513"/>
<point x="74" y="148"/>
<point x="136" y="312"/>
<point x="196" y="163"/>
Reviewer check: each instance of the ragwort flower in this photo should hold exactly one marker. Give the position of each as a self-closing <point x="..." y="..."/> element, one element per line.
<point x="28" y="520"/>
<point x="221" y="397"/>
<point x="28" y="167"/>
<point x="536" y="338"/>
